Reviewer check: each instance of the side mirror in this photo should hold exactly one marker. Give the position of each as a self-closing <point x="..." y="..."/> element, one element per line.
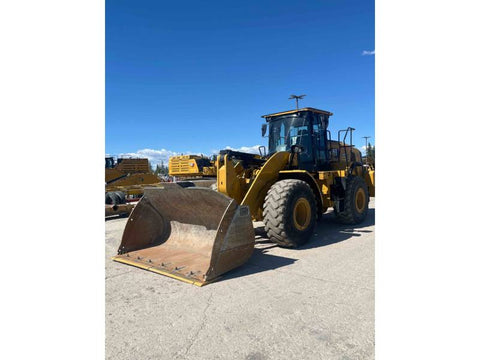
<point x="264" y="129"/>
<point x="297" y="149"/>
<point x="264" y="152"/>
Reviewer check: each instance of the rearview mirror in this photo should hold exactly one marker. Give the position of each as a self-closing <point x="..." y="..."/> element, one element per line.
<point x="264" y="129"/>
<point x="297" y="149"/>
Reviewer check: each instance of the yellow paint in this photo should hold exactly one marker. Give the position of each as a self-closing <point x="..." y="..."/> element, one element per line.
<point x="187" y="166"/>
<point x="161" y="272"/>
<point x="302" y="214"/>
<point x="229" y="181"/>
<point x="267" y="175"/>
<point x="360" y="200"/>
<point x="370" y="180"/>
<point x="325" y="180"/>
<point x="134" y="179"/>
<point x="209" y="171"/>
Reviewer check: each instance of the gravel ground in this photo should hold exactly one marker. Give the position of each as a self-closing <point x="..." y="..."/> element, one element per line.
<point x="316" y="302"/>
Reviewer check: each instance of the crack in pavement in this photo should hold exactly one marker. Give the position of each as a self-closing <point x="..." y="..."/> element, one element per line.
<point x="116" y="275"/>
<point x="194" y="338"/>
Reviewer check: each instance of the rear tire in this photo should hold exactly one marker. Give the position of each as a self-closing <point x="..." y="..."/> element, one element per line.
<point x="121" y="197"/>
<point x="110" y="198"/>
<point x="290" y="213"/>
<point x="355" y="202"/>
<point x="113" y="198"/>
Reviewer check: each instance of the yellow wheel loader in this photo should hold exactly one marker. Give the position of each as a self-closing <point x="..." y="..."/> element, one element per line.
<point x="195" y="234"/>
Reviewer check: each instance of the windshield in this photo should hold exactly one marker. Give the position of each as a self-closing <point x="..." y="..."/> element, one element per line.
<point x="287" y="131"/>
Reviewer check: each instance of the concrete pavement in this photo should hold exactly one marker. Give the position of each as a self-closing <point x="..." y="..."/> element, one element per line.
<point x="316" y="302"/>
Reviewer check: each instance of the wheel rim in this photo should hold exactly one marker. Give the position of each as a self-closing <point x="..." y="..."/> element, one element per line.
<point x="360" y="200"/>
<point x="302" y="214"/>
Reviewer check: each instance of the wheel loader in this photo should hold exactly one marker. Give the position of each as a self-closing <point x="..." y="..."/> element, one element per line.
<point x="196" y="234"/>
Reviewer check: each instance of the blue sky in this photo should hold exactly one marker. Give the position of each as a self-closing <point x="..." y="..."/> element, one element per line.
<point x="196" y="76"/>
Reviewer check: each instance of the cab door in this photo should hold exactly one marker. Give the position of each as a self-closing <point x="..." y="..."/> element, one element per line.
<point x="319" y="134"/>
<point x="301" y="134"/>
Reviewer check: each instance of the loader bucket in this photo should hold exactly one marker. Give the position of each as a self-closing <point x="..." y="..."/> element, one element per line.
<point x="193" y="234"/>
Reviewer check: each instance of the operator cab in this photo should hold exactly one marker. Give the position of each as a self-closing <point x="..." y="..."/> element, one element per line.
<point x="109" y="163"/>
<point x="305" y="128"/>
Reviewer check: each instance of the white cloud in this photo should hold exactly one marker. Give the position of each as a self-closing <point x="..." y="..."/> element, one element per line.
<point x="366" y="52"/>
<point x="154" y="156"/>
<point x="248" y="149"/>
<point x="157" y="156"/>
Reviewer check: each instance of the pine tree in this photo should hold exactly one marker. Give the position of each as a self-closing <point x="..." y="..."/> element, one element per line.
<point x="371" y="154"/>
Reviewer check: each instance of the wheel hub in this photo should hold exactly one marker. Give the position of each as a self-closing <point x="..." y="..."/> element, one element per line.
<point x="302" y="214"/>
<point x="360" y="200"/>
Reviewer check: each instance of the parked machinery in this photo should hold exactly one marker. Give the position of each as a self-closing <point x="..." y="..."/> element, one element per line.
<point x="195" y="234"/>
<point x="191" y="166"/>
<point x="126" y="176"/>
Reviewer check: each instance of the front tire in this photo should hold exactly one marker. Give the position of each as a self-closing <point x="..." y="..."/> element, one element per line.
<point x="290" y="213"/>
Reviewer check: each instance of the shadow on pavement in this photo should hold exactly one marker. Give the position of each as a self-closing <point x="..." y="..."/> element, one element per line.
<point x="327" y="232"/>
<point x="330" y="231"/>
<point x="258" y="262"/>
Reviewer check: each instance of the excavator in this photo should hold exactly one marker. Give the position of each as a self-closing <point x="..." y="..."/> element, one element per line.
<point x="196" y="234"/>
<point x="191" y="166"/>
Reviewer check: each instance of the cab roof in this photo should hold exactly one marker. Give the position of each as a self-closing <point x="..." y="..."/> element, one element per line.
<point x="307" y="109"/>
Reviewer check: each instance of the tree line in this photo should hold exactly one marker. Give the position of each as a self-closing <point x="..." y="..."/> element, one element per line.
<point x="160" y="169"/>
<point x="370" y="154"/>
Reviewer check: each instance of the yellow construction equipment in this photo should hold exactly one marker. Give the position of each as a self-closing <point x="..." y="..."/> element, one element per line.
<point x="196" y="234"/>
<point x="126" y="176"/>
<point x="191" y="166"/>
<point x="196" y="166"/>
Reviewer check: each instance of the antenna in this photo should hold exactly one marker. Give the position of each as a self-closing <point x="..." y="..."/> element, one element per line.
<point x="296" y="97"/>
